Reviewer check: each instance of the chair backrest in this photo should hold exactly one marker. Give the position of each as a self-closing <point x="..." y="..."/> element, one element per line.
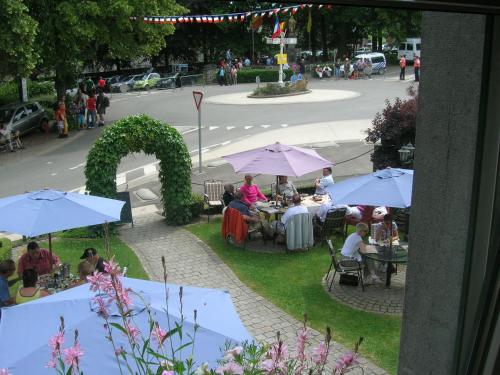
<point x="299" y="231"/>
<point x="331" y="250"/>
<point x="214" y="189"/>
<point x="334" y="220"/>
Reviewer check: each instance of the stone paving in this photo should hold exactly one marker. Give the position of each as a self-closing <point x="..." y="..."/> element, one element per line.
<point x="376" y="297"/>
<point x="191" y="262"/>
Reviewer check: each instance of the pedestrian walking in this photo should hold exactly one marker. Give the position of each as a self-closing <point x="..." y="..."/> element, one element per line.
<point x="302" y="67"/>
<point x="101" y="83"/>
<point x="416" y="68"/>
<point x="80" y="106"/>
<point x="221" y="75"/>
<point x="91" y="111"/>
<point x="89" y="86"/>
<point x="234" y="75"/>
<point x="337" y="69"/>
<point x="102" y="102"/>
<point x="347" y="68"/>
<point x="402" y="65"/>
<point x="61" y="121"/>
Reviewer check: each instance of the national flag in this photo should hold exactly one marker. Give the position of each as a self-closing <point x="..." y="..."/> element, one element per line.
<point x="309" y="22"/>
<point x="278" y="29"/>
<point x="256" y="23"/>
<point x="294" y="10"/>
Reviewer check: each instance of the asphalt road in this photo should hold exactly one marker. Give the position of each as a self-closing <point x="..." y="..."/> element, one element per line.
<point x="56" y="163"/>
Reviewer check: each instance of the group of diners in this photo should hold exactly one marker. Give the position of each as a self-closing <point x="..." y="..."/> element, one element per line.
<point x="38" y="262"/>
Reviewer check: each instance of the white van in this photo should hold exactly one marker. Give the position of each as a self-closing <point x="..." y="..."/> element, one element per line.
<point x="377" y="59"/>
<point x="410" y="48"/>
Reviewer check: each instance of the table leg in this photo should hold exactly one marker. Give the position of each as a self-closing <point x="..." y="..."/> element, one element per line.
<point x="388" y="275"/>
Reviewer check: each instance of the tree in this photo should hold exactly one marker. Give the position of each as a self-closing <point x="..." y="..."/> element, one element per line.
<point x="72" y="32"/>
<point x="17" y="38"/>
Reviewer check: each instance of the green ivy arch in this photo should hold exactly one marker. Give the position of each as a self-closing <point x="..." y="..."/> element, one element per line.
<point x="142" y="133"/>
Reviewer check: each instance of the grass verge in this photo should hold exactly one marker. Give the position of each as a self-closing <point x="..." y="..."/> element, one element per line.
<point x="293" y="283"/>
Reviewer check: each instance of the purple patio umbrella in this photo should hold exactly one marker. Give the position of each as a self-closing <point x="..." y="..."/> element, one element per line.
<point x="277" y="159"/>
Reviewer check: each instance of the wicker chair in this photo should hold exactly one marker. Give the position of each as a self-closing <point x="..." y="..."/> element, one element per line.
<point x="334" y="223"/>
<point x="213" y="192"/>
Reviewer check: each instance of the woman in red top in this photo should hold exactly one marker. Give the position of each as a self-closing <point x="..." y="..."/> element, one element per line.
<point x="91" y="111"/>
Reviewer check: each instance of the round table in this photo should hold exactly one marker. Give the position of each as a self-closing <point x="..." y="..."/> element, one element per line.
<point x="390" y="255"/>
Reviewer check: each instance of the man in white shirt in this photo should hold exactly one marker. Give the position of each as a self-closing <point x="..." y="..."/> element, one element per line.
<point x="353" y="249"/>
<point x="278" y="227"/>
<point x="325" y="181"/>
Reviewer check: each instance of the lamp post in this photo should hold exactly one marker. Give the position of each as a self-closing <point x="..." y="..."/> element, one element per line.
<point x="406" y="154"/>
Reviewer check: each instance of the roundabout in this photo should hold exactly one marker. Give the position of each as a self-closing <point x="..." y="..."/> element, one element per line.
<point x="314" y="96"/>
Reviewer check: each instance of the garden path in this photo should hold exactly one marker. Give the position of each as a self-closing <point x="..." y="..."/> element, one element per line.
<point x="191" y="262"/>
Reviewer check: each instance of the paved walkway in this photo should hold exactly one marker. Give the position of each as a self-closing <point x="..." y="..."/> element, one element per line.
<point x="192" y="262"/>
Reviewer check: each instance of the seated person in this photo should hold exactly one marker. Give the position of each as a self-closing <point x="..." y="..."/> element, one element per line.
<point x="10" y="137"/>
<point x="7" y="269"/>
<point x="319" y="71"/>
<point x="90" y="254"/>
<point x="286" y="188"/>
<point x="278" y="227"/>
<point x="85" y="268"/>
<point x="324" y="182"/>
<point x="41" y="260"/>
<point x="228" y="195"/>
<point x="242" y="207"/>
<point x="354" y="213"/>
<point x="387" y="231"/>
<point x="251" y="193"/>
<point x="379" y="213"/>
<point x="327" y="71"/>
<point x="328" y="207"/>
<point x="29" y="291"/>
<point x="354" y="247"/>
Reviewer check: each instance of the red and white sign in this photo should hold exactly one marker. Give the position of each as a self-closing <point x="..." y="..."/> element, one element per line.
<point x="198" y="97"/>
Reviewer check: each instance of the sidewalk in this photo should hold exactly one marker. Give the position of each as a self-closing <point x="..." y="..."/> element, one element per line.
<point x="191" y="262"/>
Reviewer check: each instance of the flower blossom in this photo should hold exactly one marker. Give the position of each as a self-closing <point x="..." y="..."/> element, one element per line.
<point x="4" y="371"/>
<point x="99" y="282"/>
<point x="229" y="368"/>
<point x="102" y="307"/>
<point x="56" y="342"/>
<point x="158" y="334"/>
<point x="132" y="331"/>
<point x="202" y="370"/>
<point x="344" y="362"/>
<point x="231" y="353"/>
<point x="302" y="337"/>
<point x="112" y="267"/>
<point x="165" y="372"/>
<point x="72" y="355"/>
<point x="276" y="357"/>
<point x="319" y="354"/>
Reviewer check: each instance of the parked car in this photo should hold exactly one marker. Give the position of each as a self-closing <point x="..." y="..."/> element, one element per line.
<point x="24" y="117"/>
<point x="112" y="80"/>
<point x="126" y="84"/>
<point x="147" y="81"/>
<point x="168" y="82"/>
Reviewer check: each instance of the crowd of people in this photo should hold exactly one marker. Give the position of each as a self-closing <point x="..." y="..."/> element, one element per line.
<point x="38" y="262"/>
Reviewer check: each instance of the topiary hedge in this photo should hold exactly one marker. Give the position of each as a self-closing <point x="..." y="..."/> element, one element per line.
<point x="266" y="75"/>
<point x="142" y="133"/>
<point x="9" y="91"/>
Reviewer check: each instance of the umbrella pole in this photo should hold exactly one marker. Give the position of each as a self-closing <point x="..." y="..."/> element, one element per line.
<point x="50" y="251"/>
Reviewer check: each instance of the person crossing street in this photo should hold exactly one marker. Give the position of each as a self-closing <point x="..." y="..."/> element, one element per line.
<point x="402" y="65"/>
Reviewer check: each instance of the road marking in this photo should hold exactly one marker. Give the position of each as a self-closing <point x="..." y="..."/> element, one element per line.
<point x="121" y="178"/>
<point x="284" y="125"/>
<point x="248" y="127"/>
<point x="149" y="169"/>
<point x="77" y="166"/>
<point x="53" y="174"/>
<point x="230" y="127"/>
<point x="225" y="143"/>
<point x="49" y="163"/>
<point x="265" y="126"/>
<point x="191" y="130"/>
<point x="213" y="128"/>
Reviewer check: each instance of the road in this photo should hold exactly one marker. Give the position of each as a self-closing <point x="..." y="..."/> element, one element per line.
<point x="56" y="163"/>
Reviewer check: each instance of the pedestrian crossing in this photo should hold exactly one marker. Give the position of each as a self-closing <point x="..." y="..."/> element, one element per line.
<point x="186" y="129"/>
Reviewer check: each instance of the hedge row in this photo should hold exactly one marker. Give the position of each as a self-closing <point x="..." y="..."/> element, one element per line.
<point x="9" y="91"/>
<point x="266" y="75"/>
<point x="5" y="249"/>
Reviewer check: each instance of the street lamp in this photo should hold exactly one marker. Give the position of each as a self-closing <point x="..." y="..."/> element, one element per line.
<point x="406" y="153"/>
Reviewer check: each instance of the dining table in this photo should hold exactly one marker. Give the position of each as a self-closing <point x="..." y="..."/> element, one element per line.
<point x="311" y="202"/>
<point x="390" y="254"/>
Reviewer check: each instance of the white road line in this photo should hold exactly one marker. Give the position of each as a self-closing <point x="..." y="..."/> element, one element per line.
<point x="213" y="128"/>
<point x="121" y="178"/>
<point x="49" y="163"/>
<point x="265" y="126"/>
<point x="77" y="166"/>
<point x="149" y="169"/>
<point x="191" y="130"/>
<point x="284" y="125"/>
<point x="225" y="143"/>
<point x="53" y="174"/>
<point x="230" y="127"/>
<point x="248" y="127"/>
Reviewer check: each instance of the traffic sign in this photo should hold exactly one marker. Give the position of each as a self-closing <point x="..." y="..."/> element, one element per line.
<point x="278" y="40"/>
<point x="281" y="58"/>
<point x="198" y="97"/>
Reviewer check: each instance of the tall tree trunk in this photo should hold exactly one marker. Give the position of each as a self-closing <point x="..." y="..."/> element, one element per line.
<point x="379" y="37"/>
<point x="374" y="42"/>
<point x="343" y="53"/>
<point x="314" y="31"/>
<point x="60" y="84"/>
<point x="324" y="37"/>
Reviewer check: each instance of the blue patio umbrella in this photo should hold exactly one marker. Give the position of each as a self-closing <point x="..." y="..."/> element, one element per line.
<point x="391" y="187"/>
<point x="25" y="329"/>
<point x="46" y="211"/>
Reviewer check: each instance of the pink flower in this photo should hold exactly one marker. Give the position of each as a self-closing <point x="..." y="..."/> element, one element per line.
<point x="165" y="372"/>
<point x="231" y="353"/>
<point x="112" y="267"/>
<point x="119" y="351"/>
<point x="346" y="361"/>
<point x="276" y="357"/>
<point x="229" y="368"/>
<point x="56" y="342"/>
<point x="319" y="354"/>
<point x="133" y="331"/>
<point x="122" y="295"/>
<point x="102" y="307"/>
<point x="99" y="282"/>
<point x="50" y="364"/>
<point x="158" y="334"/>
<point x="4" y="371"/>
<point x="302" y="337"/>
<point x="72" y="355"/>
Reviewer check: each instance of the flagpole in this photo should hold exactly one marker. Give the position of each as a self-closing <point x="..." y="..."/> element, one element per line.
<point x="282" y="43"/>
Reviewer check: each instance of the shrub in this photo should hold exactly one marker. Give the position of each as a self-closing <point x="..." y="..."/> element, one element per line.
<point x="266" y="75"/>
<point x="394" y="127"/>
<point x="5" y="249"/>
<point x="9" y="91"/>
<point x="197" y="205"/>
<point x="275" y="89"/>
<point x="391" y="59"/>
<point x="136" y="134"/>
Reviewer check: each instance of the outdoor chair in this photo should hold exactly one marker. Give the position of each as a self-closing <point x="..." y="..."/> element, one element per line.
<point x="344" y="266"/>
<point x="334" y="223"/>
<point x="299" y="232"/>
<point x="213" y="193"/>
<point x="235" y="229"/>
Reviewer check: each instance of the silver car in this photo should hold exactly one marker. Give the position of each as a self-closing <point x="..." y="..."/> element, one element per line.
<point x="23" y="117"/>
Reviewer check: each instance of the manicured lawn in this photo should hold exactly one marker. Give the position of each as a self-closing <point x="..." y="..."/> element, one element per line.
<point x="69" y="251"/>
<point x="293" y="282"/>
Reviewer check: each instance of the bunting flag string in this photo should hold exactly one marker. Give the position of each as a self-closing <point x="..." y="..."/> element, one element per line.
<point x="238" y="17"/>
